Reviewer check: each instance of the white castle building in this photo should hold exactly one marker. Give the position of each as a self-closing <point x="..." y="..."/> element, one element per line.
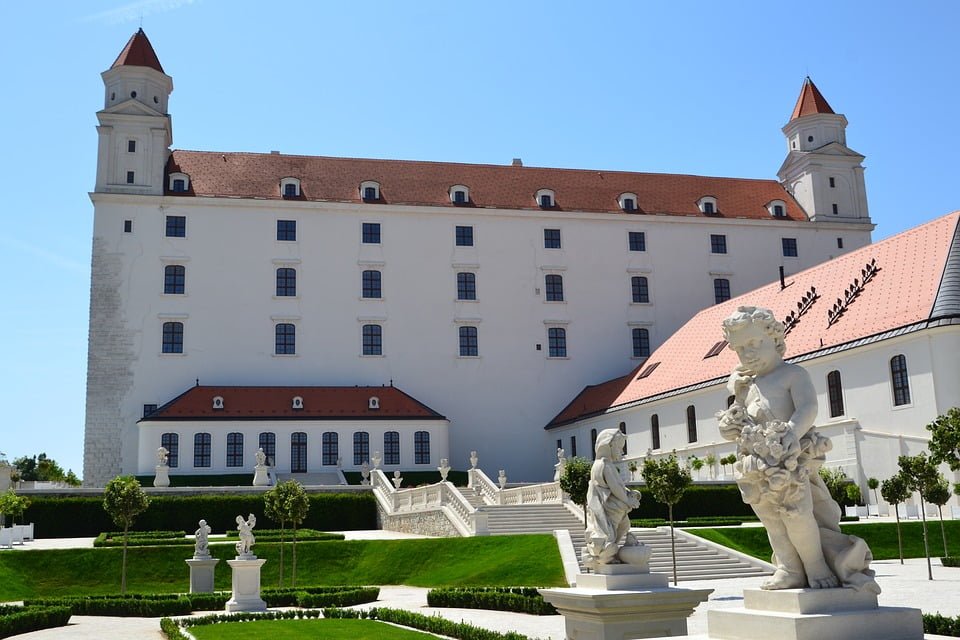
<point x="491" y="294"/>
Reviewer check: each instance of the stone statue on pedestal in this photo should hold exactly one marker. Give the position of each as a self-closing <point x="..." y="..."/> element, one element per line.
<point x="397" y="480"/>
<point x="162" y="477"/>
<point x="778" y="459"/>
<point x="444" y="469"/>
<point x="162" y="455"/>
<point x="260" y="478"/>
<point x="202" y="545"/>
<point x="245" y="527"/>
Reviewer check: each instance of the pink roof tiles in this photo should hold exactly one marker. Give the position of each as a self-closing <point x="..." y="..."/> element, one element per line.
<point x="138" y="52"/>
<point x="404" y="182"/>
<point x="811" y="101"/>
<point x="276" y="403"/>
<point x="918" y="282"/>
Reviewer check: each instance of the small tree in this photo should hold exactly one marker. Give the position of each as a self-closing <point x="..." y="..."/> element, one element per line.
<point x="853" y="493"/>
<point x="728" y="460"/>
<point x="575" y="480"/>
<point x="920" y="474"/>
<point x="872" y="484"/>
<point x="13" y="505"/>
<point x="287" y="503"/>
<point x="894" y="490"/>
<point x="711" y="461"/>
<point x="938" y="493"/>
<point x="124" y="500"/>
<point x="945" y="439"/>
<point x="836" y="481"/>
<point x="667" y="481"/>
<point x="696" y="464"/>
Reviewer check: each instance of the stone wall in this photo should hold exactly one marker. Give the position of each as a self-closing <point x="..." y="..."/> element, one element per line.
<point x="427" y="523"/>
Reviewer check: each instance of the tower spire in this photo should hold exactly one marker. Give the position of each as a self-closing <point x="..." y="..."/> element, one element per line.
<point x="811" y="101"/>
<point x="138" y="52"/>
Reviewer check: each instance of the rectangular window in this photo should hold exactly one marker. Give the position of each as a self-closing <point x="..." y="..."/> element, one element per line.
<point x="290" y="190"/>
<point x="835" y="210"/>
<point x="551" y="238"/>
<point x="557" y="342"/>
<point x="174" y="279"/>
<point x="640" y="289"/>
<point x="835" y="393"/>
<point x="128" y="226"/>
<point x="469" y="347"/>
<point x="721" y="290"/>
<point x="361" y="447"/>
<point x="464" y="236"/>
<point x="778" y="210"/>
<point x="629" y="204"/>
<point x="298" y="452"/>
<point x="466" y="286"/>
<point x="369" y="193"/>
<point x="573" y="446"/>
<point x="391" y="447"/>
<point x="179" y="185"/>
<point x="286" y="282"/>
<point x="176" y="226"/>
<point x="372" y="340"/>
<point x="833" y="182"/>
<point x="172" y="337"/>
<point x="691" y="424"/>
<point x="201" y="450"/>
<point x="268" y="442"/>
<point x="900" y="380"/>
<point x="286" y="339"/>
<point x="789" y="247"/>
<point x="839" y="243"/>
<point x="131" y="146"/>
<point x="371" y="233"/>
<point x="421" y="447"/>
<point x="130" y="177"/>
<point x="370" y="286"/>
<point x="171" y="442"/>
<point x="718" y="243"/>
<point x="638" y="241"/>
<point x="655" y="431"/>
<point x="286" y="230"/>
<point x="330" y="448"/>
<point x="641" y="342"/>
<point x="553" y="284"/>
<point x="149" y="409"/>
<point x="235" y="449"/>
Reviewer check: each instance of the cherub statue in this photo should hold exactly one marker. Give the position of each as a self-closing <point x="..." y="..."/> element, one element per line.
<point x="778" y="458"/>
<point x="202" y="547"/>
<point x="260" y="457"/>
<point x="162" y="455"/>
<point x="245" y="527"/>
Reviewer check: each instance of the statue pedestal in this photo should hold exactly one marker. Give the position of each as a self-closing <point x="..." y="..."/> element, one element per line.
<point x="620" y="602"/>
<point x="162" y="477"/>
<point x="260" y="478"/>
<point x="201" y="573"/>
<point x="246" y="585"/>
<point x="814" y="614"/>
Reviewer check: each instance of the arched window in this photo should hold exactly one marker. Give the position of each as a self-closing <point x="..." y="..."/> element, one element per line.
<point x="286" y="339"/>
<point x="641" y="342"/>
<point x="171" y="442"/>
<point x="268" y="442"/>
<point x="234" y="449"/>
<point x="331" y="447"/>
<point x="899" y="379"/>
<point x="421" y="447"/>
<point x="640" y="289"/>
<point x="391" y="447"/>
<point x="172" y="337"/>
<point x="371" y="284"/>
<point x="655" y="431"/>
<point x="554" y="287"/>
<point x="466" y="286"/>
<point x="286" y="282"/>
<point x="174" y="278"/>
<point x="361" y="447"/>
<point x="557" y="342"/>
<point x="201" y="450"/>
<point x="372" y="340"/>
<point x="835" y="393"/>
<point x="593" y="443"/>
<point x="469" y="344"/>
<point x="691" y="424"/>
<point x="298" y="452"/>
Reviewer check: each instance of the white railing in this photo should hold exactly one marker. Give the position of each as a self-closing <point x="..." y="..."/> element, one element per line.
<point x="483" y="486"/>
<point x="443" y="496"/>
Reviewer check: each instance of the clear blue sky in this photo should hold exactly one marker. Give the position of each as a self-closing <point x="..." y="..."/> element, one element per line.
<point x="674" y="87"/>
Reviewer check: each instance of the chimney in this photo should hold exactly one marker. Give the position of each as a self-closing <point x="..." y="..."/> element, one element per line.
<point x="274" y="153"/>
<point x="517" y="162"/>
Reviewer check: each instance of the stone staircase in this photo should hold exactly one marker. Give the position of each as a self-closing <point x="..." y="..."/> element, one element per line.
<point x="696" y="560"/>
<point x="307" y="479"/>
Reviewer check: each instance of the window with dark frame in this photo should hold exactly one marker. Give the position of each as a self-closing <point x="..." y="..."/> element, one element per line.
<point x="593" y="444"/>
<point x="286" y="230"/>
<point x="267" y="441"/>
<point x="201" y="450"/>
<point x="551" y="239"/>
<point x="131" y="146"/>
<point x="835" y="393"/>
<point x="235" y="449"/>
<point x="839" y="243"/>
<point x="464" y="235"/>
<point x="391" y="447"/>
<point x="721" y="290"/>
<point x="718" y="243"/>
<point x="372" y="340"/>
<point x="708" y="207"/>
<point x="778" y="210"/>
<point x="546" y="201"/>
<point x="469" y="345"/>
<point x="629" y="204"/>
<point x="130" y="177"/>
<point x="900" y="380"/>
<point x="789" y="247"/>
<point x="128" y="226"/>
<point x="421" y="447"/>
<point x="298" y="452"/>
<point x="149" y="409"/>
<point x="466" y="286"/>
<point x="361" y="447"/>
<point x="171" y="442"/>
<point x="836" y="211"/>
<point x="371" y="284"/>
<point x="459" y="196"/>
<point x="640" y="289"/>
<point x="370" y="194"/>
<point x="176" y="226"/>
<point x="286" y="282"/>
<point x="655" y="431"/>
<point x="553" y="287"/>
<point x="370" y="233"/>
<point x="290" y="190"/>
<point x="833" y="182"/>
<point x="330" y="448"/>
<point x="286" y="339"/>
<point x="179" y="185"/>
<point x="623" y="430"/>
<point x="557" y="342"/>
<point x="172" y="337"/>
<point x="174" y="279"/>
<point x="637" y="240"/>
<point x="573" y="446"/>
<point x="691" y="424"/>
<point x="641" y="342"/>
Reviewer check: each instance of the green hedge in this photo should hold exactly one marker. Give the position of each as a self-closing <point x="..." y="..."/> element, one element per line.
<point x="697" y="501"/>
<point x="173" y="538"/>
<point x="203" y="480"/>
<point x="430" y="624"/>
<point x="516" y="599"/>
<point x="73" y="517"/>
<point x="133" y="605"/>
<point x="950" y="561"/>
<point x="938" y="625"/>
<point x="15" y="620"/>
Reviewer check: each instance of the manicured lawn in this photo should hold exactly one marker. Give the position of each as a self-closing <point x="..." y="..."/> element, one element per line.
<point x="297" y="629"/>
<point x="881" y="537"/>
<point x="527" y="560"/>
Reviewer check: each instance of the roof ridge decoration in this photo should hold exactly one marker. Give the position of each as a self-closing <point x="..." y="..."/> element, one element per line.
<point x="806" y="301"/>
<point x="850" y="293"/>
<point x="810" y="102"/>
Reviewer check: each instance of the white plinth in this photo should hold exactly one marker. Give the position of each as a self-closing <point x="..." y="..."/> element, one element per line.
<point x="596" y="613"/>
<point x="814" y="614"/>
<point x="260" y="478"/>
<point x="246" y="585"/>
<point x="201" y="573"/>
<point x="162" y="477"/>
<point x="621" y="577"/>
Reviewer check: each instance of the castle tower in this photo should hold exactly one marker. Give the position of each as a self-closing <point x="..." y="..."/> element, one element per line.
<point x="135" y="128"/>
<point x="821" y="171"/>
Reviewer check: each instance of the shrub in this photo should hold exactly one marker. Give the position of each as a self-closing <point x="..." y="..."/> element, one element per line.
<point x="15" y="620"/>
<point x="431" y="624"/>
<point x="950" y="561"/>
<point x="339" y="596"/>
<point x="516" y="599"/>
<point x="936" y="624"/>
<point x="697" y="500"/>
<point x="135" y="606"/>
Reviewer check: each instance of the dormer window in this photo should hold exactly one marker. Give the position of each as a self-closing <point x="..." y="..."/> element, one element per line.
<point x="628" y="202"/>
<point x="707" y="205"/>
<point x="290" y="188"/>
<point x="370" y="191"/>
<point x="459" y="194"/>
<point x="297" y="402"/>
<point x="179" y="182"/>
<point x="218" y="402"/>
<point x="777" y="208"/>
<point x="546" y="198"/>
<point x="373" y="403"/>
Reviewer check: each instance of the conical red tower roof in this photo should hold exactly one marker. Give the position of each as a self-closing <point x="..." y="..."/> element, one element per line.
<point x="811" y="101"/>
<point x="138" y="53"/>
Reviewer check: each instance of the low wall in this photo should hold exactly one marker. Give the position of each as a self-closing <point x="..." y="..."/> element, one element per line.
<point x="427" y="523"/>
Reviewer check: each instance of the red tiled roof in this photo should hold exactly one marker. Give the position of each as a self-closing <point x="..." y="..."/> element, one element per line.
<point x="811" y="101"/>
<point x="138" y="53"/>
<point x="258" y="175"/>
<point x="276" y="403"/>
<point x="912" y="265"/>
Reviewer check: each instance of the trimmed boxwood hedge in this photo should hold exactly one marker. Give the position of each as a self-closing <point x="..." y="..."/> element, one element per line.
<point x="516" y="599"/>
<point x="697" y="501"/>
<point x="950" y="561"/>
<point x="938" y="625"/>
<point x="430" y="624"/>
<point x="202" y="480"/>
<point x="70" y="517"/>
<point x="15" y="620"/>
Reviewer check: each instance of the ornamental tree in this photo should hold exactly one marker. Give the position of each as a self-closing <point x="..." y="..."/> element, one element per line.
<point x="667" y="481"/>
<point x="872" y="484"/>
<point x="286" y="503"/>
<point x="921" y="475"/>
<point x="938" y="493"/>
<point x="575" y="481"/>
<point x="945" y="439"/>
<point x="894" y="490"/>
<point x="124" y="500"/>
